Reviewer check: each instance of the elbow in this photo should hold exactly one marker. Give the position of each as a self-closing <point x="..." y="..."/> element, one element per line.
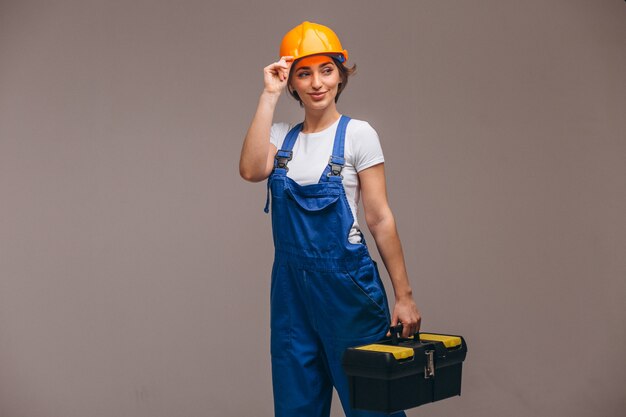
<point x="373" y="227"/>
<point x="380" y="222"/>
<point x="250" y="175"/>
<point x="246" y="175"/>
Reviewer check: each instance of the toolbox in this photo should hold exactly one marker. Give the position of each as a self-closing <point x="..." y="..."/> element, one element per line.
<point x="397" y="373"/>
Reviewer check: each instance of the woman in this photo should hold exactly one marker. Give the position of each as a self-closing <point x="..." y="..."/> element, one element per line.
<point x="326" y="291"/>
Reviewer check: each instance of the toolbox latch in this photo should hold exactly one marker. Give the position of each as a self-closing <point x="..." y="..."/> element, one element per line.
<point x="429" y="369"/>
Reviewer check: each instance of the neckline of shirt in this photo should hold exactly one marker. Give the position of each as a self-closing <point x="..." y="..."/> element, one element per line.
<point x="321" y="132"/>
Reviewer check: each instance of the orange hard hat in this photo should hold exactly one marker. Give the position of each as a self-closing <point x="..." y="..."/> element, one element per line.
<point x="310" y="39"/>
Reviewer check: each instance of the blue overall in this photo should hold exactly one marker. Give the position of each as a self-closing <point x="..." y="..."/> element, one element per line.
<point x="326" y="292"/>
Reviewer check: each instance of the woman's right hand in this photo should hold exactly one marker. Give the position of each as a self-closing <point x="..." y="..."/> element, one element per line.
<point x="275" y="75"/>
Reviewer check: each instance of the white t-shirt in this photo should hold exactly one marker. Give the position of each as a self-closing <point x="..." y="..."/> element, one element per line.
<point x="311" y="152"/>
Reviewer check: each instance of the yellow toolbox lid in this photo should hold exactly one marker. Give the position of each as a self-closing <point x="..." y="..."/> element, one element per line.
<point x="398" y="352"/>
<point x="448" y="341"/>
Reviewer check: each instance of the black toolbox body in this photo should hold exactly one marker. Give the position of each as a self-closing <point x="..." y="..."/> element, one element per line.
<point x="396" y="374"/>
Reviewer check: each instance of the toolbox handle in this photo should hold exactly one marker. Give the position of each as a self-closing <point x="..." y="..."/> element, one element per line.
<point x="396" y="330"/>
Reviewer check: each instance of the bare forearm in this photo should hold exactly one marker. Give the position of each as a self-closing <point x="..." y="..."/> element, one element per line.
<point x="254" y="153"/>
<point x="388" y="243"/>
<point x="382" y="224"/>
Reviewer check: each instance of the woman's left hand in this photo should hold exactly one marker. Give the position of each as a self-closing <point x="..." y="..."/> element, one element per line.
<point x="405" y="311"/>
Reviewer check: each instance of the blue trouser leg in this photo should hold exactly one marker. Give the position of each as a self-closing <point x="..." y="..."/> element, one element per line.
<point x="300" y="375"/>
<point x="316" y="315"/>
<point x="301" y="385"/>
<point x="354" y="312"/>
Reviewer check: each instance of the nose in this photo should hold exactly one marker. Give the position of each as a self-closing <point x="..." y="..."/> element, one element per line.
<point x="316" y="81"/>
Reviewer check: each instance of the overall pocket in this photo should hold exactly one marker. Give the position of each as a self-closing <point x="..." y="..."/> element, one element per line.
<point x="367" y="280"/>
<point x="312" y="200"/>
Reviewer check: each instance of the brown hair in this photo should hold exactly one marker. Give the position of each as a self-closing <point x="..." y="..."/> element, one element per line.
<point x="344" y="73"/>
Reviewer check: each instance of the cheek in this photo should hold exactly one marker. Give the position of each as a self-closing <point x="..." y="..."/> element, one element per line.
<point x="296" y="83"/>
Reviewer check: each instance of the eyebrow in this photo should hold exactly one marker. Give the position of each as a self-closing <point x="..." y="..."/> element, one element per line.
<point x="321" y="65"/>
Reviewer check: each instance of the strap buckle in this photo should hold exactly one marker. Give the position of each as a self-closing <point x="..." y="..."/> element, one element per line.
<point x="281" y="159"/>
<point x="336" y="166"/>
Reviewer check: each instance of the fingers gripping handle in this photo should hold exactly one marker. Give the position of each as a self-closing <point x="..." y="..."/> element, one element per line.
<point x="397" y="330"/>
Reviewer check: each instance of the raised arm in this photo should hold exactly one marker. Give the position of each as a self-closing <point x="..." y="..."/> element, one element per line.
<point x="382" y="225"/>
<point x="257" y="153"/>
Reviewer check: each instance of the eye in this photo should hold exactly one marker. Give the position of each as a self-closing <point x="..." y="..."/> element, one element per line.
<point x="327" y="70"/>
<point x="302" y="74"/>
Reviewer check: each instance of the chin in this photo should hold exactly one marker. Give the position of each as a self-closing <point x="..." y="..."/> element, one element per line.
<point x="320" y="105"/>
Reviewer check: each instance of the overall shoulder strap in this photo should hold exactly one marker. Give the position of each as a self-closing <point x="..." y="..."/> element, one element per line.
<point x="285" y="152"/>
<point x="282" y="157"/>
<point x="337" y="161"/>
<point x="291" y="137"/>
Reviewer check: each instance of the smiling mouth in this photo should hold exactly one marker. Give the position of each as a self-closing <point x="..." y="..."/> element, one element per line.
<point x="318" y="95"/>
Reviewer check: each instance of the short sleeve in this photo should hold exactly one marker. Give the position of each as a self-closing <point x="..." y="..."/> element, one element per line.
<point x="278" y="132"/>
<point x="366" y="147"/>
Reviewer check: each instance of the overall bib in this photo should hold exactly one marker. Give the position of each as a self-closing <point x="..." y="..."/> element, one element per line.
<point x="326" y="292"/>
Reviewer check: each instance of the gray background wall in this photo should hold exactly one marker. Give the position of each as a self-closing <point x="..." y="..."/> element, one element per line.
<point x="135" y="263"/>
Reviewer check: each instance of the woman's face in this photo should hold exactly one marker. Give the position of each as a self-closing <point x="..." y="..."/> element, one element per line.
<point x="316" y="80"/>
